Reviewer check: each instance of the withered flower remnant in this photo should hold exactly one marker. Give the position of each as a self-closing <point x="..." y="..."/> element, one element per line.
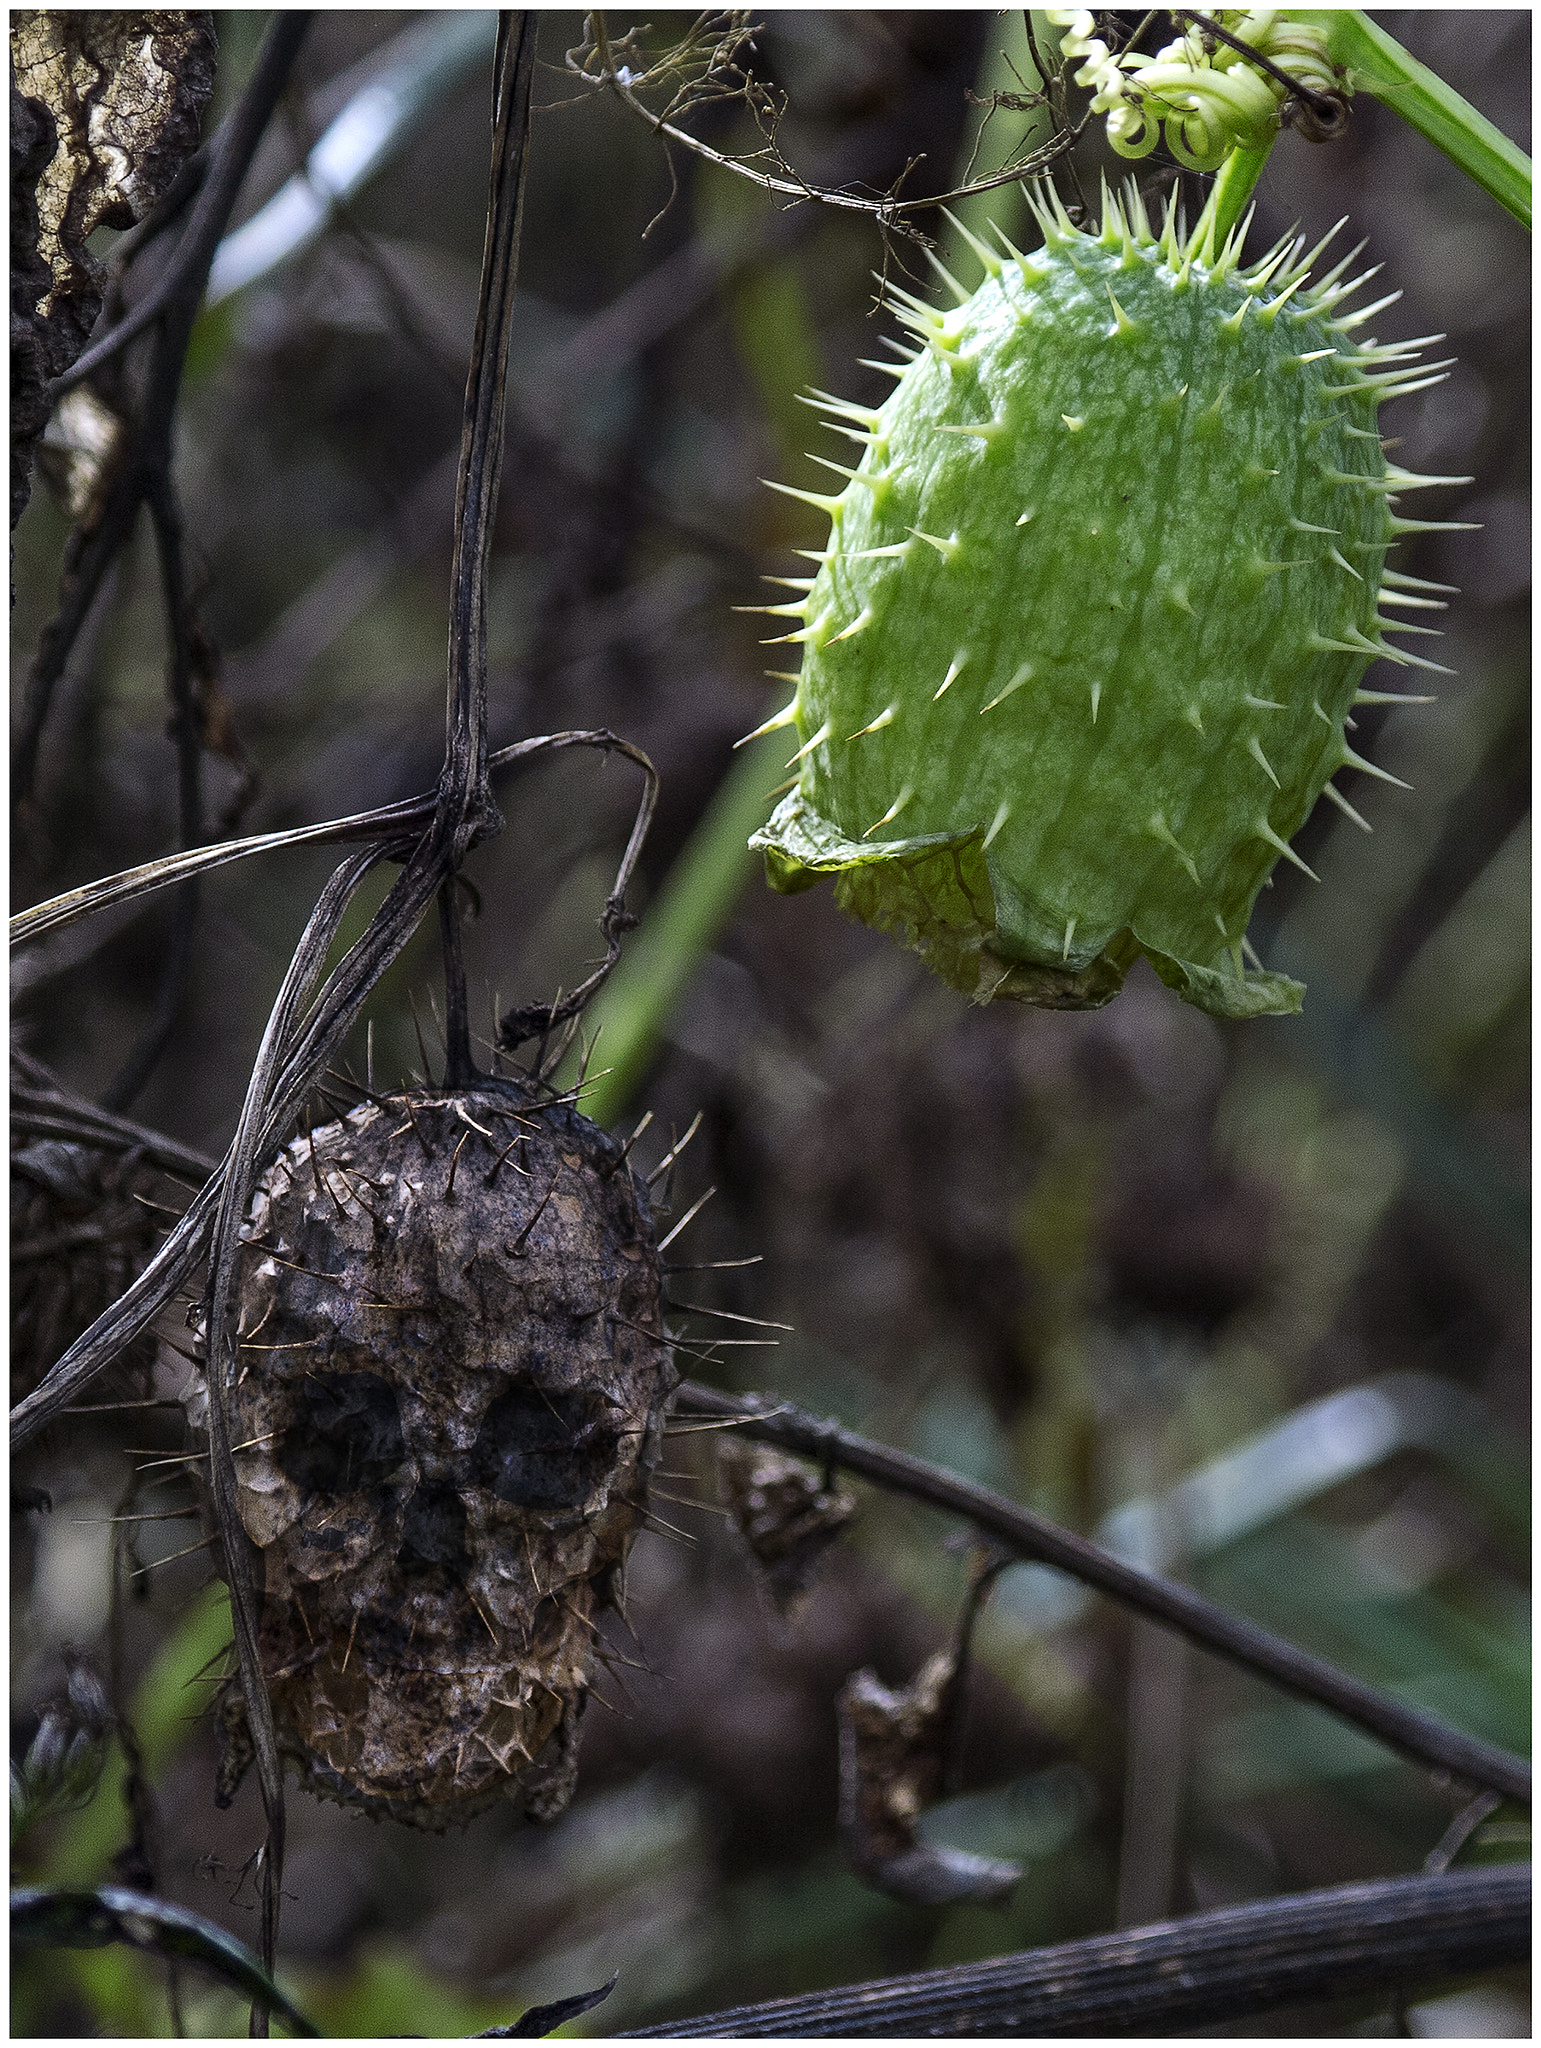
<point x="787" y="1515"/>
<point x="893" y="1752"/>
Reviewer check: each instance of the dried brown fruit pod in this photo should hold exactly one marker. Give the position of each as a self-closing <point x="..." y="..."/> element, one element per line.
<point x="787" y="1515"/>
<point x="450" y="1392"/>
<point x="892" y="1766"/>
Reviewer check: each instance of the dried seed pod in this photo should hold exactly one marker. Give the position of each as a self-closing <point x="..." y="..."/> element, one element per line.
<point x="449" y="1396"/>
<point x="893" y="1749"/>
<point x="63" y="1764"/>
<point x="786" y="1515"/>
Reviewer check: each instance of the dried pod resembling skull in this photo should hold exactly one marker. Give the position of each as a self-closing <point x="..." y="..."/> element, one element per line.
<point x="450" y="1389"/>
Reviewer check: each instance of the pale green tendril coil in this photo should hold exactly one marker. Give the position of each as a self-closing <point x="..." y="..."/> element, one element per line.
<point x="1202" y="102"/>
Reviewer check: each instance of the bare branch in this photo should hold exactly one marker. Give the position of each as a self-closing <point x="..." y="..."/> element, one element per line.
<point x="1416" y="1735"/>
<point x="389" y="821"/>
<point x="41" y="1104"/>
<point x="614" y="919"/>
<point x="1178" y="1975"/>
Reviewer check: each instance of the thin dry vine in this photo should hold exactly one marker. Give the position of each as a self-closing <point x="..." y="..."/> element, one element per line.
<point x="704" y="68"/>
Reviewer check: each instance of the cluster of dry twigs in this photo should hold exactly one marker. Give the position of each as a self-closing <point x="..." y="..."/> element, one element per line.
<point x="704" y="69"/>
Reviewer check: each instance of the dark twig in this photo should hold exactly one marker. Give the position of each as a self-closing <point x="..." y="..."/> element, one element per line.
<point x="1416" y="1735"/>
<point x="164" y="214"/>
<point x="389" y="821"/>
<point x="45" y="1108"/>
<point x="1460" y="1832"/>
<point x="187" y="732"/>
<point x="615" y="918"/>
<point x="459" y="1068"/>
<point x="465" y="808"/>
<point x="985" y="1568"/>
<point x="178" y="292"/>
<point x="1320" y="104"/>
<point x="1175" y="1976"/>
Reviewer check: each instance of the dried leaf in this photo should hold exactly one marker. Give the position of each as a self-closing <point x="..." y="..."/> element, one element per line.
<point x="892" y="1755"/>
<point x="91" y="1919"/>
<point x="786" y="1515"/>
<point x="540" y="2020"/>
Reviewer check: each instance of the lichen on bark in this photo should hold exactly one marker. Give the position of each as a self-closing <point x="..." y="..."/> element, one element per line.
<point x="106" y="107"/>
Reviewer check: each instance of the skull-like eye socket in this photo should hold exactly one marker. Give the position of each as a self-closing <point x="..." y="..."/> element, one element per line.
<point x="346" y="1433"/>
<point x="540" y="1450"/>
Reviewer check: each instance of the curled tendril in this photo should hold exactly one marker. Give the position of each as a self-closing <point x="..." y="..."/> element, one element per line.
<point x="1201" y="97"/>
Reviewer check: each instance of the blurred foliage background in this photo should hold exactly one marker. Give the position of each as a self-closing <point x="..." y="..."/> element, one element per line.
<point x="1253" y="1295"/>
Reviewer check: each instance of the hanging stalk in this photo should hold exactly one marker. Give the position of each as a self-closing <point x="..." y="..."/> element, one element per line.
<point x="1233" y="187"/>
<point x="1377" y="64"/>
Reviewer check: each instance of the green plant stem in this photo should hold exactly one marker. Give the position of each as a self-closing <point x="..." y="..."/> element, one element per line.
<point x="1228" y="196"/>
<point x="1376" y="63"/>
<point x="695" y="902"/>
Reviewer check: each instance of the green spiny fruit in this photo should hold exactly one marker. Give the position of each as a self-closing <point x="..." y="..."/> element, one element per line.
<point x="1094" y="611"/>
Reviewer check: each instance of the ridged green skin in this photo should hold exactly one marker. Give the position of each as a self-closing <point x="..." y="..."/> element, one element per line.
<point x="1094" y="608"/>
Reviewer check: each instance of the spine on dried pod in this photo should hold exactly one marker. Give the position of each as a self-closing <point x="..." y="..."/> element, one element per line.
<point x="1083" y="646"/>
<point x="449" y="1395"/>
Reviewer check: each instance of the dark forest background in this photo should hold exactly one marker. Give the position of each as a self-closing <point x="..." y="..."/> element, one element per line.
<point x="1085" y="1259"/>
